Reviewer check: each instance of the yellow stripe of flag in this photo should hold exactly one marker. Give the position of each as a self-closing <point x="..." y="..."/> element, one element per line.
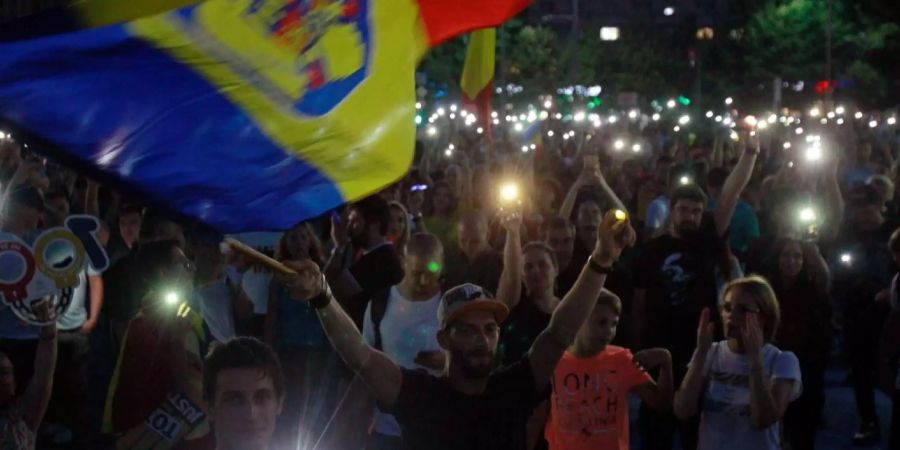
<point x="478" y="70"/>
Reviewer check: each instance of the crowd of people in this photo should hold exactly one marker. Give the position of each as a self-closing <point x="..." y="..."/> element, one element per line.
<point x="495" y="297"/>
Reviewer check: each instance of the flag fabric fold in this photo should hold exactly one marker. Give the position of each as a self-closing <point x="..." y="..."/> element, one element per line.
<point x="248" y="115"/>
<point x="477" y="82"/>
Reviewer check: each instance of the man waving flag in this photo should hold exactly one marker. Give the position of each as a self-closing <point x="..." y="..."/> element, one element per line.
<point x="244" y="114"/>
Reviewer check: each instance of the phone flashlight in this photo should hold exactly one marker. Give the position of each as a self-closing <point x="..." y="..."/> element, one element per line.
<point x="509" y="192"/>
<point x="620" y="215"/>
<point x="846" y="259"/>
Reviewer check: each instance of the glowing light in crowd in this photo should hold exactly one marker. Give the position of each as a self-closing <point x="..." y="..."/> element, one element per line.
<point x="496" y="121"/>
<point x="636" y="148"/>
<point x="709" y="114"/>
<point x="668" y="11"/>
<point x="685" y="180"/>
<point x="451" y="147"/>
<point x="734" y="136"/>
<point x="676" y="128"/>
<point x="579" y="116"/>
<point x="518" y="127"/>
<point x="729" y="101"/>
<point x="655" y="117"/>
<point x="807" y="215"/>
<point x="727" y="121"/>
<point x="453" y="108"/>
<point x="799" y="130"/>
<point x="418" y="105"/>
<point x="762" y="125"/>
<point x="814" y="153"/>
<point x="448" y="153"/>
<point x="632" y="114"/>
<point x="892" y="121"/>
<point x="452" y="116"/>
<point x="683" y="120"/>
<point x="479" y="130"/>
<point x="441" y="111"/>
<point x="751" y="121"/>
<point x="718" y="118"/>
<point x="494" y="115"/>
<point x="772" y="118"/>
<point x="830" y="115"/>
<point x="619" y="144"/>
<point x="558" y="116"/>
<point x="432" y="131"/>
<point x="613" y="119"/>
<point x="873" y="123"/>
<point x="548" y="104"/>
<point x="846" y="258"/>
<point x="814" y="112"/>
<point x="550" y="133"/>
<point x="670" y="104"/>
<point x="786" y="145"/>
<point x="171" y="298"/>
<point x="839" y="110"/>
<point x="858" y="115"/>
<point x="840" y="121"/>
<point x="620" y="215"/>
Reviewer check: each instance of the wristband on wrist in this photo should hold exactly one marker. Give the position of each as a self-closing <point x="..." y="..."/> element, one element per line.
<point x="596" y="267"/>
<point x="322" y="300"/>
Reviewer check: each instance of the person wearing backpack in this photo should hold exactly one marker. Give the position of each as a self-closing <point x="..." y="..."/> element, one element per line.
<point x="402" y="322"/>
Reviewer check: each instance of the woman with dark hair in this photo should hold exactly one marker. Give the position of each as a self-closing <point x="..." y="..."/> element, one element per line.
<point x="800" y="278"/>
<point x="293" y="330"/>
<point x="21" y="415"/>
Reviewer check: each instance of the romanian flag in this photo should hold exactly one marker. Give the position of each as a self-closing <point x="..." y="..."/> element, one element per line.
<point x="248" y="115"/>
<point x="477" y="80"/>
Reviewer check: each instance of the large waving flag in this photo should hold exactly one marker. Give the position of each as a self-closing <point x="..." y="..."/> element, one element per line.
<point x="245" y="114"/>
<point x="477" y="80"/>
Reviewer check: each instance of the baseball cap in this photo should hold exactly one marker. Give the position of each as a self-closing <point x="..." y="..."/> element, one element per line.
<point x="469" y="297"/>
<point x="30" y="197"/>
<point x="864" y="194"/>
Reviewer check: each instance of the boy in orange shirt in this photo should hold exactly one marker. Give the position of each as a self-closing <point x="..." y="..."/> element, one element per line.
<point x="589" y="404"/>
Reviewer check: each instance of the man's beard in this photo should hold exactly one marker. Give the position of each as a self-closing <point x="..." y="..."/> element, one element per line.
<point x="474" y="371"/>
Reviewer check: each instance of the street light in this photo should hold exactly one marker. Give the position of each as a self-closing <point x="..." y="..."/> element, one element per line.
<point x="609" y="33"/>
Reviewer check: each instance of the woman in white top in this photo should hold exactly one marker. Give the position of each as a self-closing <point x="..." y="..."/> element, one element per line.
<point x="745" y="382"/>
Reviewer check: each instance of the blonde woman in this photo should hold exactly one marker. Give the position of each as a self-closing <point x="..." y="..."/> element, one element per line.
<point x="746" y="383"/>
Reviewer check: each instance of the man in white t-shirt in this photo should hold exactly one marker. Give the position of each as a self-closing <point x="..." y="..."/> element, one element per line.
<point x="402" y="322"/>
<point x="218" y="295"/>
<point x="255" y="280"/>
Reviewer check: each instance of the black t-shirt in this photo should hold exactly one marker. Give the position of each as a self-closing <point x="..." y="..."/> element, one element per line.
<point x="872" y="266"/>
<point x="679" y="276"/>
<point x="375" y="271"/>
<point x="525" y="322"/>
<point x="434" y="416"/>
<point x="484" y="271"/>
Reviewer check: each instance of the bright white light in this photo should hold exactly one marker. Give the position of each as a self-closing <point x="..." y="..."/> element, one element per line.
<point x="636" y="148"/>
<point x="2" y="135"/>
<point x="518" y="127"/>
<point x="543" y="115"/>
<point x="509" y="192"/>
<point x="676" y="128"/>
<point x="734" y="136"/>
<point x="609" y="33"/>
<point x="655" y="117"/>
<point x="668" y="11"/>
<point x="448" y="153"/>
<point x="494" y="115"/>
<point x="830" y="115"/>
<point x="727" y="121"/>
<point x="670" y="104"/>
<point x="453" y="108"/>
<point x="847" y="259"/>
<point x="452" y="116"/>
<point x="432" y="131"/>
<point x="858" y="115"/>
<point x="823" y="121"/>
<point x="839" y="110"/>
<point x="807" y="215"/>
<point x="799" y="130"/>
<point x="451" y="147"/>
<point x="718" y="118"/>
<point x="762" y="125"/>
<point x="873" y="124"/>
<point x="550" y="133"/>
<point x="685" y="180"/>
<point x="619" y="144"/>
<point x="773" y="118"/>
<point x="566" y="137"/>
<point x="613" y="119"/>
<point x="729" y="101"/>
<point x="892" y="121"/>
<point x="751" y="121"/>
<point x="632" y="114"/>
<point x="709" y="114"/>
<point x="787" y="145"/>
<point x="814" y="112"/>
<point x="683" y="120"/>
<point x="479" y="130"/>
<point x="533" y="146"/>
<point x="441" y="112"/>
<point x="496" y="121"/>
<point x="814" y="153"/>
<point x="418" y="105"/>
<point x="558" y="116"/>
<point x="579" y="116"/>
<point x="840" y="121"/>
<point x="548" y="104"/>
<point x="171" y="298"/>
